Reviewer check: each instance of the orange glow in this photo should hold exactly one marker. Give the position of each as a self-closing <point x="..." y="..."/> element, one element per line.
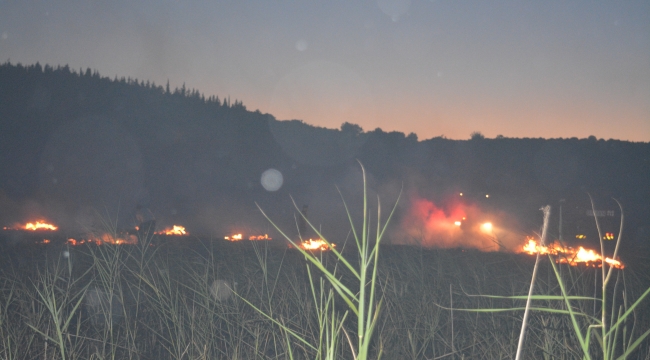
<point x="486" y="227"/>
<point x="569" y="255"/>
<point x="105" y="238"/>
<point x="239" y="237"/>
<point x="34" y="226"/>
<point x="236" y="237"/>
<point x="175" y="230"/>
<point x="456" y="224"/>
<point x="317" y="244"/>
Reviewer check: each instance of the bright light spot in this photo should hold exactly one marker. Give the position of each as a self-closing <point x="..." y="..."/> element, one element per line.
<point x="487" y="195"/>
<point x="235" y="237"/>
<point x="457" y="223"/>
<point x="461" y="194"/>
<point x="486" y="227"/>
<point x="272" y="180"/>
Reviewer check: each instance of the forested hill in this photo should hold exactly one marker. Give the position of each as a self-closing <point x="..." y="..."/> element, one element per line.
<point x="73" y="143"/>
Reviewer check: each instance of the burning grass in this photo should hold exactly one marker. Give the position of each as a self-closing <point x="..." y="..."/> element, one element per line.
<point x="165" y="307"/>
<point x="174" y="230"/>
<point x="39" y="225"/>
<point x="569" y="255"/>
<point x="129" y="290"/>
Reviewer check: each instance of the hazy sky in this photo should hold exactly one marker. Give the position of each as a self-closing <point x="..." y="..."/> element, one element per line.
<point x="444" y="67"/>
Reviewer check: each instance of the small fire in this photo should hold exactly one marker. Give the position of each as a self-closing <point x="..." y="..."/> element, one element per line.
<point x="569" y="255"/>
<point x="175" y="230"/>
<point x="239" y="237"/>
<point x="105" y="238"/>
<point x="35" y="226"/>
<point x="317" y="244"/>
<point x="236" y="237"/>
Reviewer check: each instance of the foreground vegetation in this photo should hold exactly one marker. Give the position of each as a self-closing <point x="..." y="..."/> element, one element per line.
<point x="172" y="301"/>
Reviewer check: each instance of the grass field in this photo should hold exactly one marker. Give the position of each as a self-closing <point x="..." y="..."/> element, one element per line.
<point x="174" y="301"/>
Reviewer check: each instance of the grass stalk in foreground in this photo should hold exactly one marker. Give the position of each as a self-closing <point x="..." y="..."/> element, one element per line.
<point x="362" y="302"/>
<point x="612" y="336"/>
<point x="524" y="322"/>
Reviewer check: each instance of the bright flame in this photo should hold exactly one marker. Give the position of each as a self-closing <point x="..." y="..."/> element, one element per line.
<point x="569" y="255"/>
<point x="317" y="244"/>
<point x="35" y="226"/>
<point x="457" y="223"/>
<point x="175" y="230"/>
<point x="259" y="237"/>
<point x="486" y="227"/>
<point x="235" y="237"/>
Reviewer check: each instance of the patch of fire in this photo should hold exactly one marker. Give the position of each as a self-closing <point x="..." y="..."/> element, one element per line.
<point x="239" y="237"/>
<point x="174" y="230"/>
<point x="39" y="225"/>
<point x="569" y="255"/>
<point x="105" y="238"/>
<point x="317" y="244"/>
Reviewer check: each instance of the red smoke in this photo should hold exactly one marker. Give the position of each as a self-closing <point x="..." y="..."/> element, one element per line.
<point x="457" y="225"/>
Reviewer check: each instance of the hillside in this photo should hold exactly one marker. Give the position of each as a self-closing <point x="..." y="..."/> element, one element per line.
<point x="75" y="144"/>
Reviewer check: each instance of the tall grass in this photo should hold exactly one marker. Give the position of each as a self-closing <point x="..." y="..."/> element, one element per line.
<point x="361" y="297"/>
<point x="609" y="325"/>
<point x="158" y="301"/>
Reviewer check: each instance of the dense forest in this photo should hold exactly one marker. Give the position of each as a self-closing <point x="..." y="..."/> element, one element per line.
<point x="75" y="145"/>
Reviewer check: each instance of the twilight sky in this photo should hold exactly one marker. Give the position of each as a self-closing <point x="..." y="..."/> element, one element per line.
<point x="437" y="67"/>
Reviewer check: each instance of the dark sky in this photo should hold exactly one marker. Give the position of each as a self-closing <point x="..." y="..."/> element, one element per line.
<point x="515" y="68"/>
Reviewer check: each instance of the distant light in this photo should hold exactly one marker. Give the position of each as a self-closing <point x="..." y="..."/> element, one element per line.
<point x="486" y="227"/>
<point x="464" y="218"/>
<point x="457" y="223"/>
<point x="487" y="195"/>
<point x="461" y="194"/>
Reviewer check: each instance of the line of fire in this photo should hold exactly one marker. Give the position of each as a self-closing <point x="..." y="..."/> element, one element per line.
<point x="574" y="242"/>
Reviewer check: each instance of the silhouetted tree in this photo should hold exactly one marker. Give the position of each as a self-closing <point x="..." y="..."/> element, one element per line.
<point x="476" y="135"/>
<point x="350" y="128"/>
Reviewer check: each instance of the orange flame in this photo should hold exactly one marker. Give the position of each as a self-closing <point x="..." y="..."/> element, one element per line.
<point x="239" y="237"/>
<point x="105" y="238"/>
<point x="35" y="226"/>
<point x="569" y="255"/>
<point x="236" y="237"/>
<point x="175" y="230"/>
<point x="317" y="244"/>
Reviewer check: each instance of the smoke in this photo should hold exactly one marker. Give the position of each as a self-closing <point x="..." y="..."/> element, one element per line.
<point x="455" y="225"/>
